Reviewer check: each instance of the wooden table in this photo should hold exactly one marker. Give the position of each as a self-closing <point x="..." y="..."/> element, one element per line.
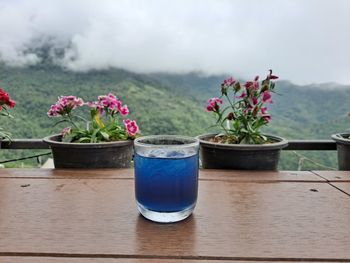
<point x="49" y="215"/>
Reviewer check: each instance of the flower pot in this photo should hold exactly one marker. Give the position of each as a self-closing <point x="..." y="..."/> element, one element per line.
<point x="116" y="154"/>
<point x="343" y="150"/>
<point x="240" y="156"/>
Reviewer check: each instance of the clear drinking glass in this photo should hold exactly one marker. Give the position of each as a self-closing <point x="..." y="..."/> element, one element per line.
<point x="166" y="176"/>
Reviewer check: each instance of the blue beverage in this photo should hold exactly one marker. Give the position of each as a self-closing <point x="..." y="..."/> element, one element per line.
<point x="166" y="176"/>
<point x="167" y="184"/>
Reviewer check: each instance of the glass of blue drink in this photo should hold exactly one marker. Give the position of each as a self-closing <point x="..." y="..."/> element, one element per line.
<point x="166" y="176"/>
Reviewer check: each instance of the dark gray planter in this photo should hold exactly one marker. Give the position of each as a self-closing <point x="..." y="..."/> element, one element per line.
<point x="343" y="150"/>
<point x="240" y="156"/>
<point x="116" y="154"/>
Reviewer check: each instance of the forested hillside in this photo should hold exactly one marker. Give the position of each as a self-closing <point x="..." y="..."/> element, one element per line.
<point x="170" y="103"/>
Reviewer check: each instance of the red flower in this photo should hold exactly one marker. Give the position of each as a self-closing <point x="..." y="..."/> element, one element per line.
<point x="6" y="99"/>
<point x="11" y="103"/>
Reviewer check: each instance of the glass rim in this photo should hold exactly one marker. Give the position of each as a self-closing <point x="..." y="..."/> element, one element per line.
<point x="192" y="141"/>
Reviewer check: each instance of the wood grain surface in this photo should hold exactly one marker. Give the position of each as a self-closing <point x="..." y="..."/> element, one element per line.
<point x="205" y="174"/>
<point x="334" y="176"/>
<point x="61" y="213"/>
<point x="260" y="176"/>
<point x="121" y="260"/>
<point x="115" y="260"/>
<point x="345" y="187"/>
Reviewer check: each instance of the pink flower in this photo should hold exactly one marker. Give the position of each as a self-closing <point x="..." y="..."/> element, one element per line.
<point x="110" y="102"/>
<point x="243" y="95"/>
<point x="112" y="96"/>
<point x="64" y="105"/>
<point x="230" y="81"/>
<point x="131" y="127"/>
<point x="66" y="131"/>
<point x="255" y="100"/>
<point x="248" y="109"/>
<point x="124" y="111"/>
<point x="70" y="101"/>
<point x="126" y="122"/>
<point x="248" y="84"/>
<point x="210" y="108"/>
<point x="96" y="106"/>
<point x="267" y="118"/>
<point x="213" y="104"/>
<point x="215" y="100"/>
<point x="55" y="110"/>
<point x="252" y="84"/>
<point x="266" y="97"/>
<point x="270" y="76"/>
<point x="263" y="110"/>
<point x="265" y="115"/>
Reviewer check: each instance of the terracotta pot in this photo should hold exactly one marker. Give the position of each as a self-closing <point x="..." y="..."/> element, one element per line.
<point x="343" y="150"/>
<point x="240" y="156"/>
<point x="116" y="154"/>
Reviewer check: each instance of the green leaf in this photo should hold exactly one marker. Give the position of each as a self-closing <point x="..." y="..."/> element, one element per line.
<point x="83" y="140"/>
<point x="94" y="134"/>
<point x="235" y="124"/>
<point x="243" y="130"/>
<point x="61" y="121"/>
<point x="105" y="135"/>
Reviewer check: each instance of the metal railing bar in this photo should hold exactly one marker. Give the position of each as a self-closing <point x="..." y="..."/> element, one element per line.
<point x="294" y="145"/>
<point x="16" y="144"/>
<point x="311" y="145"/>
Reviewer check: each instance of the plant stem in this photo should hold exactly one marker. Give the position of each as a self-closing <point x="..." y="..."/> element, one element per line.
<point x="229" y="101"/>
<point x="223" y="127"/>
<point x="71" y="121"/>
<point x="81" y="118"/>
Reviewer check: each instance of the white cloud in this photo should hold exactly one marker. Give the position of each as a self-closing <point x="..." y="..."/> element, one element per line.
<point x="303" y="41"/>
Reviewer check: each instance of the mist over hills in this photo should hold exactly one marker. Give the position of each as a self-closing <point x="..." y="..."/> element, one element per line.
<point x="171" y="103"/>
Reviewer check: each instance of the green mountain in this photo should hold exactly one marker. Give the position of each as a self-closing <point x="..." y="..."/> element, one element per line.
<point x="171" y="104"/>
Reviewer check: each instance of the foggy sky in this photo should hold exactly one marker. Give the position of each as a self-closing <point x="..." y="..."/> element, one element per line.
<point x="305" y="41"/>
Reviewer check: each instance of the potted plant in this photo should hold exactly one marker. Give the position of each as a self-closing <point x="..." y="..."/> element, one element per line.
<point x="103" y="142"/>
<point x="343" y="150"/>
<point x="5" y="103"/>
<point x="241" y="144"/>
